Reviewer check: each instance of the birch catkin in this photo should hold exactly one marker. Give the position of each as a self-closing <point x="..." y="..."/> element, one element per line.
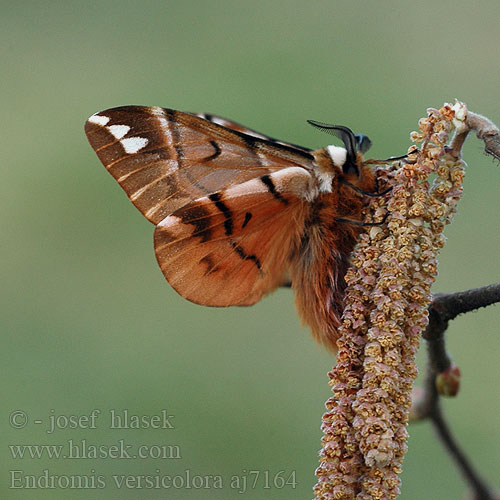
<point x="388" y="293"/>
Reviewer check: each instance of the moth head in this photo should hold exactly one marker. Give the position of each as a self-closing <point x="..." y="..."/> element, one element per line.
<point x="346" y="157"/>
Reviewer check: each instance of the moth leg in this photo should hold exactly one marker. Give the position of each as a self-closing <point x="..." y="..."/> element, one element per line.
<point x="359" y="190"/>
<point x="391" y="158"/>
<point x="376" y="193"/>
<point x="402" y="157"/>
<point x="361" y="223"/>
<point x="385" y="191"/>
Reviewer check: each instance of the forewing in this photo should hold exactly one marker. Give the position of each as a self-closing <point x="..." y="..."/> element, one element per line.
<point x="219" y="120"/>
<point x="164" y="159"/>
<point x="233" y="246"/>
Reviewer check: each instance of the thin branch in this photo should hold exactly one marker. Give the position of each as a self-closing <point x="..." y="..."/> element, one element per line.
<point x="485" y="130"/>
<point x="449" y="305"/>
<point x="443" y="308"/>
<point x="434" y="334"/>
<point x="432" y="410"/>
<point x="492" y="146"/>
<point x="480" y="488"/>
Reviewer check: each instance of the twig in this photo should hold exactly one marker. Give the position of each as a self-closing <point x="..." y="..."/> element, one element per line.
<point x="450" y="305"/>
<point x="485" y="130"/>
<point x="477" y="484"/>
<point x="443" y="308"/>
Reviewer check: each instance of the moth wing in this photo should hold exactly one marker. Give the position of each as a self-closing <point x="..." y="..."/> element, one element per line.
<point x="164" y="159"/>
<point x="224" y="122"/>
<point x="232" y="247"/>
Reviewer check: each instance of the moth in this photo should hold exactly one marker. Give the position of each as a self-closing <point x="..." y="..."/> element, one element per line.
<point x="238" y="213"/>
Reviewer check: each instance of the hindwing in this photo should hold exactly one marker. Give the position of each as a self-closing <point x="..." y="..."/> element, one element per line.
<point x="232" y="247"/>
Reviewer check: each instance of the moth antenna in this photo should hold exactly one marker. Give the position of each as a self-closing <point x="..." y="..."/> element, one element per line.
<point x="346" y="135"/>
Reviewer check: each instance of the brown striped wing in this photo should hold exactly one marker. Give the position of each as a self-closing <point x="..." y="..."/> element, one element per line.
<point x="224" y="122"/>
<point x="233" y="246"/>
<point x="165" y="159"/>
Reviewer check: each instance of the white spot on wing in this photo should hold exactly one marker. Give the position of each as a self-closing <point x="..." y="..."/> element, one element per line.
<point x="163" y="124"/>
<point x="170" y="220"/>
<point x="156" y="111"/>
<point x="337" y="154"/>
<point x="263" y="158"/>
<point x="119" y="130"/>
<point x="219" y="121"/>
<point x="159" y="114"/>
<point x="133" y="144"/>
<point x="99" y="120"/>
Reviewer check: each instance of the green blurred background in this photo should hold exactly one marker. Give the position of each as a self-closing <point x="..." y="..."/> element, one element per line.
<point x="87" y="318"/>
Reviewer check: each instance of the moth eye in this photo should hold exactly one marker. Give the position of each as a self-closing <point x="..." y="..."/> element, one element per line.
<point x="363" y="142"/>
